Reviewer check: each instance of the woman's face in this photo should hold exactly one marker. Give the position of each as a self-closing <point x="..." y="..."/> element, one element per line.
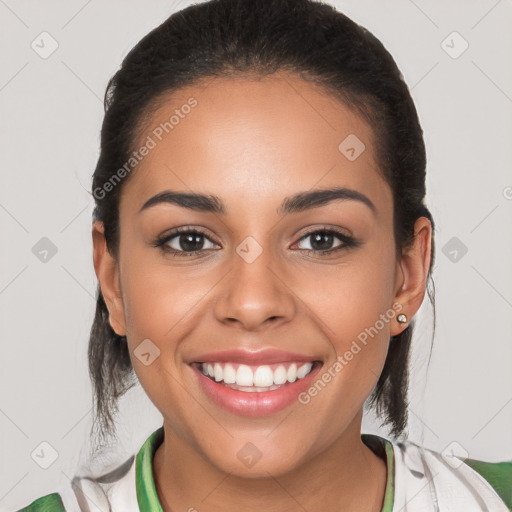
<point x="254" y="281"/>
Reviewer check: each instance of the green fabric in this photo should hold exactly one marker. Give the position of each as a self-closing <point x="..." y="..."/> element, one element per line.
<point x="498" y="474"/>
<point x="373" y="441"/>
<point x="50" y="503"/>
<point x="146" y="490"/>
<point x="148" y="498"/>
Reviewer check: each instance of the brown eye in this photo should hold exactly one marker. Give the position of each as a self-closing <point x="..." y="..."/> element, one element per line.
<point x="184" y="241"/>
<point x="322" y="240"/>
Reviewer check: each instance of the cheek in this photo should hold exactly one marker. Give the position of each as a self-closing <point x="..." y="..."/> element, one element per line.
<point x="163" y="302"/>
<point x="355" y="313"/>
<point x="156" y="303"/>
<point x="350" y="296"/>
<point x="157" y="300"/>
<point x="352" y="304"/>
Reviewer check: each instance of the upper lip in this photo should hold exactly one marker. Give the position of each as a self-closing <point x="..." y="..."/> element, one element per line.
<point x="266" y="356"/>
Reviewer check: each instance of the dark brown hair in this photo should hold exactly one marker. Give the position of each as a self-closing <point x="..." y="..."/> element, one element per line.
<point x="222" y="38"/>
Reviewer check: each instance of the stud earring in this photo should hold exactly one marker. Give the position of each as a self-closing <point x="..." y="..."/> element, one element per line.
<point x="402" y="318"/>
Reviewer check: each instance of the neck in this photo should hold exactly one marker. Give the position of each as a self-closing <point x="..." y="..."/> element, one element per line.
<point x="346" y="476"/>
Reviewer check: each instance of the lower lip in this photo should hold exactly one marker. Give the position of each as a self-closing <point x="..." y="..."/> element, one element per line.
<point x="255" y="403"/>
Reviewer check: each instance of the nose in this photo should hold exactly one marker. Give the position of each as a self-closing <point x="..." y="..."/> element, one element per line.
<point x="255" y="295"/>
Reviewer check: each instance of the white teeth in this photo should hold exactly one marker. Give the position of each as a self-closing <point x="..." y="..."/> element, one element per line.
<point x="217" y="372"/>
<point x="252" y="389"/>
<point x="262" y="378"/>
<point x="244" y="376"/>
<point x="292" y="373"/>
<point x="229" y="375"/>
<point x="303" y="371"/>
<point x="280" y="375"/>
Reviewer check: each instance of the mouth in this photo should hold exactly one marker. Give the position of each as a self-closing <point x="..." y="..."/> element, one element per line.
<point x="256" y="378"/>
<point x="255" y="390"/>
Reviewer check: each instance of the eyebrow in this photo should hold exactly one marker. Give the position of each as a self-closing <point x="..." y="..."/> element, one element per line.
<point x="293" y="204"/>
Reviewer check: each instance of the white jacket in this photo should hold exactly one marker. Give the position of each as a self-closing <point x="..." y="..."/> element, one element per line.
<point x="419" y="480"/>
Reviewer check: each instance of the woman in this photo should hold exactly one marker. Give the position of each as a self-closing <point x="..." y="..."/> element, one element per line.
<point x="262" y="245"/>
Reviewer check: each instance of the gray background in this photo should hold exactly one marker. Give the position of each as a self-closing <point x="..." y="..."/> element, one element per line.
<point x="51" y="112"/>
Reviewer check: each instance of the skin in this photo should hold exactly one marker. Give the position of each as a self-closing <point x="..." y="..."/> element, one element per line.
<point x="253" y="143"/>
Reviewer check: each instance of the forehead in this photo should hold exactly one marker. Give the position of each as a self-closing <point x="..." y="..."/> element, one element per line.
<point x="256" y="140"/>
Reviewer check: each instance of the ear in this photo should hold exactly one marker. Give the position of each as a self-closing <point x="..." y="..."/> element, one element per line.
<point x="412" y="275"/>
<point x="107" y="272"/>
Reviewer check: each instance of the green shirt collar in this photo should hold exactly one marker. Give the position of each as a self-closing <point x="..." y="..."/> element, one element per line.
<point x="145" y="483"/>
<point x="147" y="496"/>
<point x="378" y="445"/>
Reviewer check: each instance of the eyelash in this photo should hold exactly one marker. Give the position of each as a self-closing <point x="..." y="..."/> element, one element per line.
<point x="348" y="241"/>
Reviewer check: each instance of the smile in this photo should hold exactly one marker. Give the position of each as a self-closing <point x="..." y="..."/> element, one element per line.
<point x="255" y="390"/>
<point x="256" y="378"/>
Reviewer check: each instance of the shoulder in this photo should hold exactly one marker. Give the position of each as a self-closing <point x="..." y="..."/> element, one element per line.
<point x="453" y="479"/>
<point x="49" y="503"/>
<point x="115" y="490"/>
<point x="498" y="474"/>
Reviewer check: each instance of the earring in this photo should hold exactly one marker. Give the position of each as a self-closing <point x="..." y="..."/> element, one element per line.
<point x="401" y="318"/>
